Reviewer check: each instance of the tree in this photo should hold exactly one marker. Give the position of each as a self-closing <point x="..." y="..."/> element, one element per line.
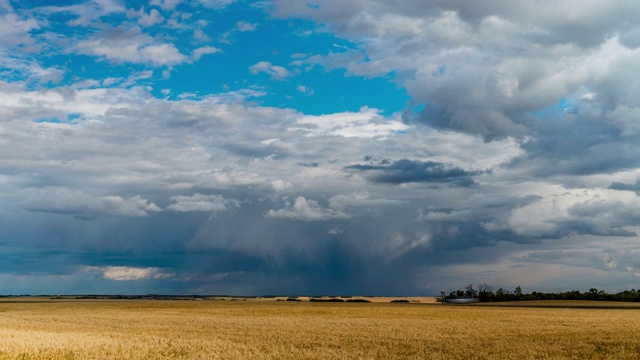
<point x="485" y="292"/>
<point x="518" y="291"/>
<point x="470" y="291"/>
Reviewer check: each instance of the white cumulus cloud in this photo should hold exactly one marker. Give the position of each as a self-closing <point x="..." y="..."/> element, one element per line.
<point x="200" y="202"/>
<point x="244" y="26"/>
<point x="199" y="52"/>
<point x="367" y="123"/>
<point x="276" y="72"/>
<point x="307" y="210"/>
<point x="130" y="45"/>
<point x="129" y="273"/>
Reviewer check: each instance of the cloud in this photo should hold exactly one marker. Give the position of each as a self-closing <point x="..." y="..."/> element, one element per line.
<point x="72" y="202"/>
<point x="412" y="171"/>
<point x="15" y="30"/>
<point x="605" y="213"/>
<point x="274" y="71"/>
<point x="86" y="12"/>
<point x="280" y="185"/>
<point x="32" y="71"/>
<point x="525" y="57"/>
<point x="515" y="158"/>
<point x="305" y="90"/>
<point x="306" y="210"/>
<point x="165" y="4"/>
<point x="130" y="45"/>
<point x="244" y="26"/>
<point x="215" y="4"/>
<point x="127" y="273"/>
<point x="199" y="52"/>
<point x="625" y="187"/>
<point x="200" y="202"/>
<point x="367" y="123"/>
<point x="199" y="35"/>
<point x="150" y="19"/>
<point x="6" y="6"/>
<point x="361" y="199"/>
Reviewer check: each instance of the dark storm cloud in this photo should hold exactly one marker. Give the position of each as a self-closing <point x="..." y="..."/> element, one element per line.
<point x="412" y="171"/>
<point x="626" y="187"/>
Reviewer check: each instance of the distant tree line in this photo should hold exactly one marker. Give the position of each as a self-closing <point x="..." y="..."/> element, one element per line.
<point x="486" y="293"/>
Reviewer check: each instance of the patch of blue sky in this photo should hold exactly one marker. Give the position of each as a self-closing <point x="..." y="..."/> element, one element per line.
<point x="307" y="88"/>
<point x="10" y="74"/>
<point x="80" y="68"/>
<point x="71" y="118"/>
<point x="245" y="36"/>
<point x="48" y="120"/>
<point x="564" y="106"/>
<point x="440" y="72"/>
<point x="322" y="92"/>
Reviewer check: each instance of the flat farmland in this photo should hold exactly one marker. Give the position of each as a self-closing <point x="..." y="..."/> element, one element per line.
<point x="269" y="329"/>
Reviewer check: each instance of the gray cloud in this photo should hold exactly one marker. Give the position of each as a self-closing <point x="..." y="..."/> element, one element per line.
<point x="308" y="210"/>
<point x="65" y="201"/>
<point x="521" y="164"/>
<point x="626" y="187"/>
<point x="200" y="202"/>
<point x="410" y="171"/>
<point x="525" y="57"/>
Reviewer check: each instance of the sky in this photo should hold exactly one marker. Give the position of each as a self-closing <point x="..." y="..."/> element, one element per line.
<point x="364" y="147"/>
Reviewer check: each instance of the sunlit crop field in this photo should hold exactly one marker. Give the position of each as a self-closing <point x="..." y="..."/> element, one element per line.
<point x="268" y="329"/>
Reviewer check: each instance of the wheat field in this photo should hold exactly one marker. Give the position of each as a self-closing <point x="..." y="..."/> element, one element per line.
<point x="267" y="329"/>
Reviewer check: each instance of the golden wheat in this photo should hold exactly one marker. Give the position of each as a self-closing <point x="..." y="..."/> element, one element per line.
<point x="302" y="330"/>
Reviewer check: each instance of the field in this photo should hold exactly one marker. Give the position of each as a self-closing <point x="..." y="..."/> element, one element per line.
<point x="270" y="329"/>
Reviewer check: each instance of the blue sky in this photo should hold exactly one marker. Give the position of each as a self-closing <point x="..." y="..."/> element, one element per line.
<point x="244" y="48"/>
<point x="321" y="147"/>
